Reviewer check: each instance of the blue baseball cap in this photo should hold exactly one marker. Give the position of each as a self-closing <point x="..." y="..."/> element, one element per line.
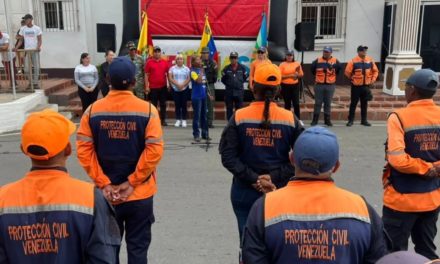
<point x="403" y="257"/>
<point x="316" y="150"/>
<point x="425" y="79"/>
<point x="121" y="71"/>
<point x="328" y="49"/>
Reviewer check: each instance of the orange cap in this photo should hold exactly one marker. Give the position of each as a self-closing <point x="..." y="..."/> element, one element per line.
<point x="268" y="74"/>
<point x="46" y="129"/>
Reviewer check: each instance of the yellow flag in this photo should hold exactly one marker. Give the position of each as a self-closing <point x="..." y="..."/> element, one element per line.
<point x="145" y="43"/>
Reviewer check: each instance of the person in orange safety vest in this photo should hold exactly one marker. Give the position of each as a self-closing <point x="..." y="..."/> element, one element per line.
<point x="260" y="60"/>
<point x="311" y="220"/>
<point x="362" y="72"/>
<point x="119" y="145"/>
<point x="48" y="216"/>
<point x="411" y="178"/>
<point x="325" y="69"/>
<point x="291" y="73"/>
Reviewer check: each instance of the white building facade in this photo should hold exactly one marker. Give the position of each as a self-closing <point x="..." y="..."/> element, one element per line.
<point x="70" y="28"/>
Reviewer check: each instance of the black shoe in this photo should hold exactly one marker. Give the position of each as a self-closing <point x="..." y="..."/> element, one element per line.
<point x="163" y="123"/>
<point x="315" y="120"/>
<point x="349" y="123"/>
<point x="211" y="126"/>
<point x="207" y="138"/>
<point x="327" y="121"/>
<point x="365" y="123"/>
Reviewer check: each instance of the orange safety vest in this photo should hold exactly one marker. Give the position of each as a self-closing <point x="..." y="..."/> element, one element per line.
<point x="361" y="71"/>
<point x="316" y="221"/>
<point x="254" y="65"/>
<point x="287" y="68"/>
<point x="404" y="189"/>
<point x="120" y="139"/>
<point x="325" y="72"/>
<point x="46" y="217"/>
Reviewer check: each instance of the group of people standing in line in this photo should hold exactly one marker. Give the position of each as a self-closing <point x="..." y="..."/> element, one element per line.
<point x="154" y="79"/>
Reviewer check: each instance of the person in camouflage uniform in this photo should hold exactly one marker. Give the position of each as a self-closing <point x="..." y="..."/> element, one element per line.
<point x="139" y="62"/>
<point x="211" y="71"/>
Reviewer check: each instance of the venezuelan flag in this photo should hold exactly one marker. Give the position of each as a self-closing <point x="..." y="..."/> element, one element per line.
<point x="145" y="43"/>
<point x="262" y="37"/>
<point x="208" y="41"/>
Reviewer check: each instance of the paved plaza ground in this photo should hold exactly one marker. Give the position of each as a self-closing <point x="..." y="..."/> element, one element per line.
<point x="195" y="223"/>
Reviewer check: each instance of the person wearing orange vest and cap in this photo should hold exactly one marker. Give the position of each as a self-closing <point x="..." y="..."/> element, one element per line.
<point x="362" y="72"/>
<point x="255" y="144"/>
<point x="119" y="145"/>
<point x="291" y="72"/>
<point x="48" y="216"/>
<point x="260" y="60"/>
<point x="325" y="69"/>
<point x="411" y="178"/>
<point x="311" y="220"/>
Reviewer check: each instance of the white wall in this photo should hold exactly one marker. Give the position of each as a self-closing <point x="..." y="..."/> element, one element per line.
<point x="364" y="21"/>
<point x="63" y="49"/>
<point x="16" y="10"/>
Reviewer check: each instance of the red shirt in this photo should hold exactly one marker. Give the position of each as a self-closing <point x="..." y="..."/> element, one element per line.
<point x="157" y="70"/>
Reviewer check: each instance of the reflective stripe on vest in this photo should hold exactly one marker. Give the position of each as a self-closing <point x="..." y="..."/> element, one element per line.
<point x="119" y="139"/>
<point x="325" y="73"/>
<point x="316" y="221"/>
<point x="421" y="141"/>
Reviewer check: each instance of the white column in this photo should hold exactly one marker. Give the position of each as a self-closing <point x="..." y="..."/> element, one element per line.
<point x="403" y="60"/>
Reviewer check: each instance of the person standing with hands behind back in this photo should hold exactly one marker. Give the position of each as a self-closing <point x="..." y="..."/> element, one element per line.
<point x="362" y="72"/>
<point x="104" y="81"/>
<point x="412" y="177"/>
<point x="257" y="153"/>
<point x="291" y="72"/>
<point x="119" y="145"/>
<point x="87" y="79"/>
<point x="233" y="77"/>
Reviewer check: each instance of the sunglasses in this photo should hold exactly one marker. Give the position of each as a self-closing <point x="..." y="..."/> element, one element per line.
<point x="260" y="52"/>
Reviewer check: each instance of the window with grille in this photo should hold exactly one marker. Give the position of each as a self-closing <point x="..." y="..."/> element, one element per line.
<point x="326" y="14"/>
<point x="56" y="16"/>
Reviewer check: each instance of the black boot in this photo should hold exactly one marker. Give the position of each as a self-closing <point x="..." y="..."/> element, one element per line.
<point x="327" y="120"/>
<point x="315" y="120"/>
<point x="365" y="123"/>
<point x="349" y="123"/>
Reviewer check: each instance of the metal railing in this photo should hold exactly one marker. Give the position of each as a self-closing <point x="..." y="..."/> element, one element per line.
<point x="26" y="72"/>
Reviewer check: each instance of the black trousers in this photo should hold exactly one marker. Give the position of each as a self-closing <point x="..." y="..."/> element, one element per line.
<point x="290" y="94"/>
<point x="358" y="93"/>
<point x="87" y="98"/>
<point x="159" y="95"/>
<point x="231" y="103"/>
<point x="104" y="89"/>
<point x="421" y="226"/>
<point x="136" y="218"/>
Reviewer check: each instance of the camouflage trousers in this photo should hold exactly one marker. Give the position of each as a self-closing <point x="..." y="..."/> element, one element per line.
<point x="139" y="92"/>
<point x="210" y="103"/>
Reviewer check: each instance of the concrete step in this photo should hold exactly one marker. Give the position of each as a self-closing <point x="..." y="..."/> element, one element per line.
<point x="53" y="85"/>
<point x="63" y="96"/>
